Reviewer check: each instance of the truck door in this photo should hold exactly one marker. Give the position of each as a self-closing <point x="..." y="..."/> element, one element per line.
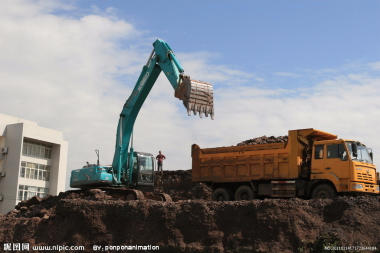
<point x="336" y="162"/>
<point x="337" y="166"/>
<point x="330" y="161"/>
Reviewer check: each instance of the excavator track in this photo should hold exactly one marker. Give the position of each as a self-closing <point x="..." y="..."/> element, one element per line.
<point x="165" y="197"/>
<point x="130" y="194"/>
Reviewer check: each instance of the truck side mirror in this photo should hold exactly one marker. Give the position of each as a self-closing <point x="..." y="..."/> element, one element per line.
<point x="354" y="149"/>
<point x="371" y="155"/>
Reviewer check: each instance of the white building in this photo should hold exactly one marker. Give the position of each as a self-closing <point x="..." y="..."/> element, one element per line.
<point x="33" y="161"/>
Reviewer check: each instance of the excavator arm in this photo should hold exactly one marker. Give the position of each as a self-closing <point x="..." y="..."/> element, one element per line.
<point x="196" y="96"/>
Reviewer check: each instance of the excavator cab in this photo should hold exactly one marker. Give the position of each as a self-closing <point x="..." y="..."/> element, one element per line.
<point x="144" y="168"/>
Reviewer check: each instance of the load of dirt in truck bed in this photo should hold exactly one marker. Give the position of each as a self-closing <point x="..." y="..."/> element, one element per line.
<point x="272" y="225"/>
<point x="264" y="140"/>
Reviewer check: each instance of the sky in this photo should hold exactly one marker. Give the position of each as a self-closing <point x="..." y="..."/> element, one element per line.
<point x="275" y="65"/>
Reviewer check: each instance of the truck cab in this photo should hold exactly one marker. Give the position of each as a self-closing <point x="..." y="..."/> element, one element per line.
<point x="347" y="164"/>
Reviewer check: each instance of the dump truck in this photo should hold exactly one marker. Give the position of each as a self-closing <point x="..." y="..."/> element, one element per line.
<point x="311" y="164"/>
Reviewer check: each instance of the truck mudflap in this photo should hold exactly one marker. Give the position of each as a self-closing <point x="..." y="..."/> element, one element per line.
<point x="197" y="96"/>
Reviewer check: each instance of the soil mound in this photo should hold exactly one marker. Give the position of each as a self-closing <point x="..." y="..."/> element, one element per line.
<point x="179" y="186"/>
<point x="194" y="225"/>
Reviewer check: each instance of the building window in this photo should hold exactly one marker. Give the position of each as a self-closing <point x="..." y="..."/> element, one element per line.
<point x="35" y="171"/>
<point x="26" y="192"/>
<point x="36" y="150"/>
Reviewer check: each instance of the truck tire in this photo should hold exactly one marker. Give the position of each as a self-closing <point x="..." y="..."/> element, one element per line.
<point x="244" y="192"/>
<point x="221" y="194"/>
<point x="323" y="191"/>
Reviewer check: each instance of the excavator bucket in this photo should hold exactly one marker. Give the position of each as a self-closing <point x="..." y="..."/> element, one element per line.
<point x="197" y="96"/>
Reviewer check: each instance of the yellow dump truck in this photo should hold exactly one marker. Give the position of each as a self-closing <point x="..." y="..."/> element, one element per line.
<point x="312" y="163"/>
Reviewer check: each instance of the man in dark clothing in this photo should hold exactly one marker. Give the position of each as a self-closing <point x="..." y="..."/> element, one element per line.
<point x="160" y="158"/>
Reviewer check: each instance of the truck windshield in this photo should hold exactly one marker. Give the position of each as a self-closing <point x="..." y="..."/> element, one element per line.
<point x="363" y="153"/>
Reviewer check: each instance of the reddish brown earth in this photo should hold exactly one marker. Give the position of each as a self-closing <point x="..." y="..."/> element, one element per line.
<point x="194" y="225"/>
<point x="179" y="186"/>
<point x="264" y="140"/>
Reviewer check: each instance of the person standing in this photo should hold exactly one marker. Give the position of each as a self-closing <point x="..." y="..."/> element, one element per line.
<point x="160" y="158"/>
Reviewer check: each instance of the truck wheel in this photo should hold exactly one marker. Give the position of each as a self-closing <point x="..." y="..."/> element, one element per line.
<point x="323" y="191"/>
<point x="244" y="192"/>
<point x="221" y="194"/>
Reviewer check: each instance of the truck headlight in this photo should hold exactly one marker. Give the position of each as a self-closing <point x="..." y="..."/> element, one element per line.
<point x="377" y="188"/>
<point x="357" y="186"/>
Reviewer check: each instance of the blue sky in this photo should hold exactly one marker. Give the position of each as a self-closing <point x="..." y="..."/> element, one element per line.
<point x="275" y="66"/>
<point x="261" y="37"/>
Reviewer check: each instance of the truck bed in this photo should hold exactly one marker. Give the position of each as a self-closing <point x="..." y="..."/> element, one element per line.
<point x="241" y="163"/>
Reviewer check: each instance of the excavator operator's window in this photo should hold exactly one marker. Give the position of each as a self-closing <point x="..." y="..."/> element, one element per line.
<point x="145" y="169"/>
<point x="318" y="152"/>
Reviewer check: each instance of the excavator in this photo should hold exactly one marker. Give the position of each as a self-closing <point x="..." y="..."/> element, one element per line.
<point x="132" y="172"/>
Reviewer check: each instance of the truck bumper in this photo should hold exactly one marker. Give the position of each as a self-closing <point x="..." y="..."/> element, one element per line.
<point x="364" y="187"/>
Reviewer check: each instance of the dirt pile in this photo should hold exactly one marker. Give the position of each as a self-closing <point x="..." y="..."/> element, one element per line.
<point x="264" y="140"/>
<point x="179" y="186"/>
<point x="272" y="225"/>
<point x="196" y="225"/>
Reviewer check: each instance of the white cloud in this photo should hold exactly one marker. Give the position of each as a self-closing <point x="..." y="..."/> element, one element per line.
<point x="60" y="71"/>
<point x="32" y="8"/>
<point x="65" y="73"/>
<point x="344" y="106"/>
<point x="199" y="63"/>
<point x="375" y="65"/>
<point x="74" y="75"/>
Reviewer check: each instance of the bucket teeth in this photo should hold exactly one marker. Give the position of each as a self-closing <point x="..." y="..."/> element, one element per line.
<point x="197" y="96"/>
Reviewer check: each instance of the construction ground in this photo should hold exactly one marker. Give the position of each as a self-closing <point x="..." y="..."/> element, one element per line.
<point x="193" y="223"/>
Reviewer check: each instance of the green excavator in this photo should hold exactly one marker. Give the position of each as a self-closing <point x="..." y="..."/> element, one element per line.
<point x="132" y="172"/>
